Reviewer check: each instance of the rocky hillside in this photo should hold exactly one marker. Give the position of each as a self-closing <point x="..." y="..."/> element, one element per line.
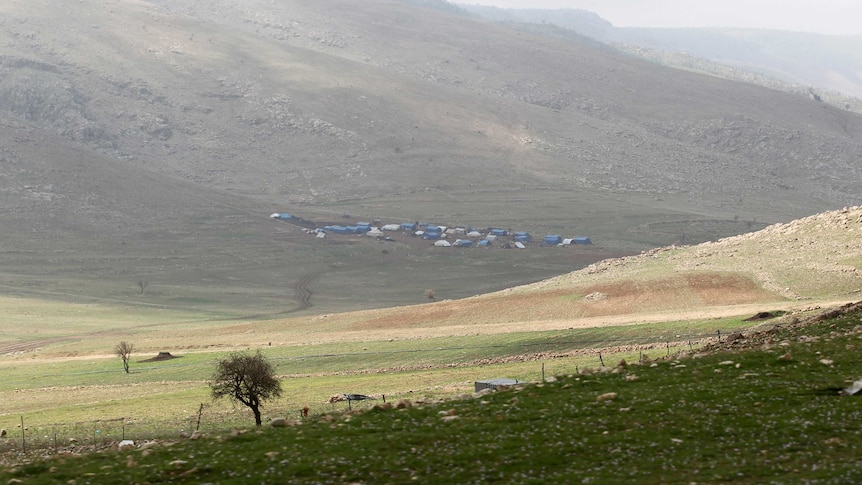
<point x="318" y="102"/>
<point x="150" y="139"/>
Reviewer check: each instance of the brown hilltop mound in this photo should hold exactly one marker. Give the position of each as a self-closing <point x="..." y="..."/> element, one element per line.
<point x="162" y="356"/>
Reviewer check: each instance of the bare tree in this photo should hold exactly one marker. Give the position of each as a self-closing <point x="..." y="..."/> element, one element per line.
<point x="143" y="285"/>
<point x="247" y="379"/>
<point x="429" y="293"/>
<point x="124" y="351"/>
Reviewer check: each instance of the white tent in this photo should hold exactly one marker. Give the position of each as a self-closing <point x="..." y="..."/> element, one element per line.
<point x="442" y="244"/>
<point x="321" y="235"/>
<point x="519" y="245"/>
<point x="474" y="234"/>
<point x="490" y="237"/>
<point x="374" y="232"/>
<point x="391" y="227"/>
<point x="567" y="242"/>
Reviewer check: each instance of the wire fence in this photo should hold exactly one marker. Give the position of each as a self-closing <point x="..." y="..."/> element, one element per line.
<point x="29" y="435"/>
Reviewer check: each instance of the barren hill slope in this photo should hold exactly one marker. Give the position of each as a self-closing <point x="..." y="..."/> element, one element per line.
<point x="176" y="126"/>
<point x="315" y="102"/>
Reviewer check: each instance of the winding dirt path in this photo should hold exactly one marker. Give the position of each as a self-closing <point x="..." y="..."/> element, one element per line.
<point x="303" y="294"/>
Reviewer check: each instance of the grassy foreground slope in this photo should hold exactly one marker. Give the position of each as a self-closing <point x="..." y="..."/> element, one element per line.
<point x="766" y="408"/>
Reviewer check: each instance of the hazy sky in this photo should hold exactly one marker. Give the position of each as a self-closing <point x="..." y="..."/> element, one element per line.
<point x="838" y="17"/>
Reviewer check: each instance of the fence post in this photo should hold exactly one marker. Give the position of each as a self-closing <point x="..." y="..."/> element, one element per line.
<point x="200" y="412"/>
<point x="23" y="437"/>
<point x="601" y="359"/>
<point x="543" y="372"/>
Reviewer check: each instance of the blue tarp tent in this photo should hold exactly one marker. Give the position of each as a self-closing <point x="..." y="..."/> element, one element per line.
<point x="582" y="240"/>
<point x="552" y="239"/>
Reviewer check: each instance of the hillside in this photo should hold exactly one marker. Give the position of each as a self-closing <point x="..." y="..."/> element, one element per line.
<point x="148" y="141"/>
<point x="828" y="64"/>
<point x="679" y="317"/>
<point x="792" y="267"/>
<point x="771" y="406"/>
<point x="808" y="262"/>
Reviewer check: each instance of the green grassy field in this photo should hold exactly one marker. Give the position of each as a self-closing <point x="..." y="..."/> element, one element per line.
<point x="767" y="412"/>
<point x="68" y="375"/>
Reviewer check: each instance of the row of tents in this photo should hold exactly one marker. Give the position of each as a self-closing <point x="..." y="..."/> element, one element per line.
<point x="465" y="236"/>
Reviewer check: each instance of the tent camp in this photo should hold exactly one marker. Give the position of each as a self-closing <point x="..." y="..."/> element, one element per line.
<point x="442" y="243"/>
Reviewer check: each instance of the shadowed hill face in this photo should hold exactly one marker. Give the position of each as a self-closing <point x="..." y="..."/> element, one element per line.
<point x="156" y="136"/>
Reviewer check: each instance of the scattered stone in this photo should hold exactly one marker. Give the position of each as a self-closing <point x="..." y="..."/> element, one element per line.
<point x="278" y="422"/>
<point x="833" y="442"/>
<point x="632" y="378"/>
<point x="149" y="444"/>
<point x="826" y="361"/>
<point x="404" y="404"/>
<point x="271" y="454"/>
<point x="447" y="419"/>
<point x="726" y="362"/>
<point x="196" y="435"/>
<point x="675" y="441"/>
<point x="854" y="388"/>
<point x="126" y="445"/>
<point x="608" y="396"/>
<point x="734" y="337"/>
<point x="787" y="357"/>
